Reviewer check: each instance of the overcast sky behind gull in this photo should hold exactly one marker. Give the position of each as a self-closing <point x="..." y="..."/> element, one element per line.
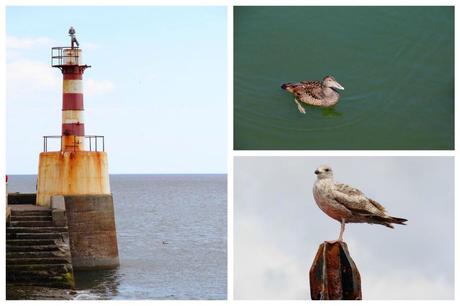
<point x="156" y="89"/>
<point x="278" y="226"/>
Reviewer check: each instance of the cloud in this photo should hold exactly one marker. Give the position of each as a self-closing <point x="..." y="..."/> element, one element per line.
<point x="27" y="78"/>
<point x="406" y="284"/>
<point x="269" y="272"/>
<point x="13" y="42"/>
<point x="98" y="87"/>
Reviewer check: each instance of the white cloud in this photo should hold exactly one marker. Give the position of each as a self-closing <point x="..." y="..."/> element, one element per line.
<point x="27" y="78"/>
<point x="269" y="272"/>
<point x="97" y="87"/>
<point x="13" y="42"/>
<point x="409" y="284"/>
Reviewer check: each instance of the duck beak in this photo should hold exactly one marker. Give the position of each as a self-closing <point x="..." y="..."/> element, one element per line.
<point x="338" y="86"/>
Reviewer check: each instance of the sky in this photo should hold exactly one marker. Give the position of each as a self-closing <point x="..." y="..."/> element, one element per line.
<point x="278" y="226"/>
<point x="156" y="89"/>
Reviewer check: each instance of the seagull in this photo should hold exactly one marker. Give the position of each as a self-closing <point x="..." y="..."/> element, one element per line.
<point x="347" y="204"/>
<point x="318" y="93"/>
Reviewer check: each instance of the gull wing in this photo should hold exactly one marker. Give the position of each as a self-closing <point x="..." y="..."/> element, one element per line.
<point x="356" y="201"/>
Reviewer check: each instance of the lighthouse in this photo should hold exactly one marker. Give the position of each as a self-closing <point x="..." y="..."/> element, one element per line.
<point x="80" y="166"/>
<point x="74" y="180"/>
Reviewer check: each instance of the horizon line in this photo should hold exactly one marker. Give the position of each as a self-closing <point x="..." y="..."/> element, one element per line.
<point x="170" y="173"/>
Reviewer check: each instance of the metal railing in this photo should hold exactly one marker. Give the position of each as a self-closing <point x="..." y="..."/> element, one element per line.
<point x="60" y="58"/>
<point x="93" y="142"/>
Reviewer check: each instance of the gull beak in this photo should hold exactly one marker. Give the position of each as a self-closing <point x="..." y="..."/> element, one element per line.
<point x="338" y="86"/>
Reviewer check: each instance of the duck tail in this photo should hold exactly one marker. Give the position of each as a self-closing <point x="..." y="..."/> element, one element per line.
<point x="285" y="86"/>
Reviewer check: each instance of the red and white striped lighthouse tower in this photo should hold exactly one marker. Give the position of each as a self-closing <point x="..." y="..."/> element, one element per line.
<point x="69" y="61"/>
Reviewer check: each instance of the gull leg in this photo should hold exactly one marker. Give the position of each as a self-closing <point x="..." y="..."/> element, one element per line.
<point x="342" y="229"/>
<point x="301" y="109"/>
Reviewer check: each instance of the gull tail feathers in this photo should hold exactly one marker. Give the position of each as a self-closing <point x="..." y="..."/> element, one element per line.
<point x="386" y="221"/>
<point x="398" y="220"/>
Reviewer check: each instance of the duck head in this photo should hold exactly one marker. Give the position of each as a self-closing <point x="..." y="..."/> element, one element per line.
<point x="330" y="82"/>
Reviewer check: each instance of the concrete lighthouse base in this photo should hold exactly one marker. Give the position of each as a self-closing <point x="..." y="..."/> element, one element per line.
<point x="71" y="173"/>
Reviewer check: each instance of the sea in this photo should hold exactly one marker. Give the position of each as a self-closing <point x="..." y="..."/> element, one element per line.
<point x="172" y="238"/>
<point x="395" y="63"/>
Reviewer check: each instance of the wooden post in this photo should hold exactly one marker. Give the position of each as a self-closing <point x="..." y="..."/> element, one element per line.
<point x="334" y="275"/>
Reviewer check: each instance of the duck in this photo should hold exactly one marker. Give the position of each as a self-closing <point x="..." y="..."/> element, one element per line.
<point x="318" y="93"/>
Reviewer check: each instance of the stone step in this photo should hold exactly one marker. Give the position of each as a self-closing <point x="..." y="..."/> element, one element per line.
<point x="31" y="218"/>
<point x="32" y="248"/>
<point x="46" y="275"/>
<point x="31" y="224"/>
<point x="41" y="212"/>
<point x="51" y="229"/>
<point x="11" y="262"/>
<point x="50" y="282"/>
<point x="37" y="254"/>
<point x="29" y="242"/>
<point x="44" y="269"/>
<point x="33" y="236"/>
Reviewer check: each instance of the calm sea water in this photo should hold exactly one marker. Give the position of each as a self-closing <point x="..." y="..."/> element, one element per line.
<point x="172" y="238"/>
<point x="396" y="64"/>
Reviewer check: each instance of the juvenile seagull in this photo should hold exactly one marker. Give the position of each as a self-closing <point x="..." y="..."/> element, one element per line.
<point x="318" y="93"/>
<point x="347" y="204"/>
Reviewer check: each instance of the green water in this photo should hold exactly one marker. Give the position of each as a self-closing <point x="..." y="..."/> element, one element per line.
<point x="396" y="64"/>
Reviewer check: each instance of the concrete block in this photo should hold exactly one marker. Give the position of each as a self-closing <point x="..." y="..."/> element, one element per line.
<point x="57" y="202"/>
<point x="92" y="232"/>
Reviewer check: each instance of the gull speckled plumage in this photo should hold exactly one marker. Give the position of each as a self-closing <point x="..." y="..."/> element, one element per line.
<point x="318" y="93"/>
<point x="347" y="204"/>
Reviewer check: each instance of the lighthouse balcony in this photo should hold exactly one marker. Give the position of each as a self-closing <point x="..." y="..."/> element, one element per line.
<point x="94" y="143"/>
<point x="66" y="56"/>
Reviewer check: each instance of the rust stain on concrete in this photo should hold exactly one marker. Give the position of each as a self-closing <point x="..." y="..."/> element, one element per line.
<point x="71" y="173"/>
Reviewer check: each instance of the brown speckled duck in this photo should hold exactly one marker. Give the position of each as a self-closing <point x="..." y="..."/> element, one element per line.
<point x="318" y="93"/>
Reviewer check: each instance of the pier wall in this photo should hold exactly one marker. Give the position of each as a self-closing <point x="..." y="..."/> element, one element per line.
<point x="92" y="232"/>
<point x="21" y="198"/>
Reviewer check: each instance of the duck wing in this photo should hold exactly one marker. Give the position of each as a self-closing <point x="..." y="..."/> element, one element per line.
<point x="310" y="92"/>
<point x="311" y="84"/>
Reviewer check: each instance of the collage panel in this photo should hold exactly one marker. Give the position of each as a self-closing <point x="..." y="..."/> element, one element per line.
<point x="398" y="238"/>
<point x="343" y="77"/>
<point x="116" y="187"/>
